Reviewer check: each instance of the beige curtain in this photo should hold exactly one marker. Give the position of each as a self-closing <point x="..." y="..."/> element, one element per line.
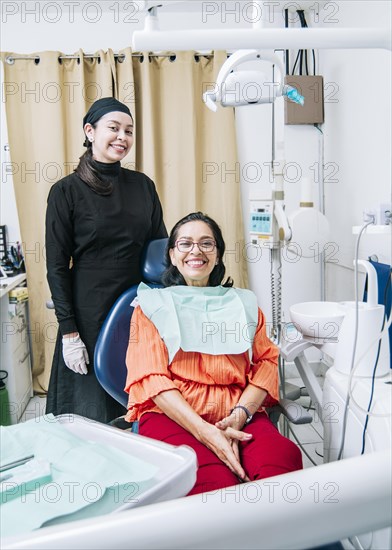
<point x="45" y="104"/>
<point x="187" y="150"/>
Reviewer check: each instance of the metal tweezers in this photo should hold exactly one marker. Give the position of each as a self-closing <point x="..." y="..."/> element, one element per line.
<point x="15" y="463"/>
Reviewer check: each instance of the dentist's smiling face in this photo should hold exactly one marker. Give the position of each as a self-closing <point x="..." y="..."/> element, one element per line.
<point x="112" y="137"/>
<point x="195" y="254"/>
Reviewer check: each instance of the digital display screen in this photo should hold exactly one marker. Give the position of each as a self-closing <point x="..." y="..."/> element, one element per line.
<point x="261" y="223"/>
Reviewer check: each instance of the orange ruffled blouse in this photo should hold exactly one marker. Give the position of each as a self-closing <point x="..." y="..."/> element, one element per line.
<point x="211" y="384"/>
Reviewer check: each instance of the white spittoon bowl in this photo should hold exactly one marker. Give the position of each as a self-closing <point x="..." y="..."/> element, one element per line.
<point x="318" y="319"/>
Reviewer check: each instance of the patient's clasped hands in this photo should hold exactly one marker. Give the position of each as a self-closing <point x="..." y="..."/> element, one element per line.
<point x="223" y="440"/>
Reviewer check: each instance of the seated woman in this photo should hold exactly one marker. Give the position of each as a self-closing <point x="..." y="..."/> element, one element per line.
<point x="201" y="367"/>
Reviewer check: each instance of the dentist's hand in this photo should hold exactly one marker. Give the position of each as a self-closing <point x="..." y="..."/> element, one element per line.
<point x="75" y="353"/>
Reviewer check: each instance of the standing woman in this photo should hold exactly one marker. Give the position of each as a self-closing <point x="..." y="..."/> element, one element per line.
<point x="97" y="222"/>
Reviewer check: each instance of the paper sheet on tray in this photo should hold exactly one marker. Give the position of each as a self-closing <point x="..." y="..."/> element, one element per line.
<point x="85" y="475"/>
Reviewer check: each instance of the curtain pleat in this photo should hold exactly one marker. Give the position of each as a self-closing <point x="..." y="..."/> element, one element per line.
<point x="187" y="150"/>
<point x="127" y="93"/>
<point x="44" y="120"/>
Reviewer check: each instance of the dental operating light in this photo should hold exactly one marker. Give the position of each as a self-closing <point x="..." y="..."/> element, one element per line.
<point x="239" y="88"/>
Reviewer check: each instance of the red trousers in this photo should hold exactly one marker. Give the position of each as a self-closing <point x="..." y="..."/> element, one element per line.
<point x="267" y="454"/>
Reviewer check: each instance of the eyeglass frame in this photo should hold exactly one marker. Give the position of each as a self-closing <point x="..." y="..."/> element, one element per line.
<point x="193" y="246"/>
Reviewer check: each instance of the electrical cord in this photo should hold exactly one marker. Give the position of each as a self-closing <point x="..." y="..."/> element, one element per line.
<point x="374" y="341"/>
<point x="371" y="399"/>
<point x="273" y="302"/>
<point x="300" y="445"/>
<point x="298" y="59"/>
<point x="295" y="63"/>
<point x="303" y="54"/>
<point x="299" y="51"/>
<point x="306" y="62"/>
<point x="374" y="373"/>
<point x="276" y="294"/>
<point x="286" y="24"/>
<point x="384" y="331"/>
<point x="345" y="417"/>
<point x="279" y="295"/>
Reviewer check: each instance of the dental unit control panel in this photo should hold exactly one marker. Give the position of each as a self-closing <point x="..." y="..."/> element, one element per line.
<point x="355" y="403"/>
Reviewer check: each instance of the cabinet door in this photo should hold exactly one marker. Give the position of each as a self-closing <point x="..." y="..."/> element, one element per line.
<point x="21" y="380"/>
<point x="16" y="359"/>
<point x="18" y="328"/>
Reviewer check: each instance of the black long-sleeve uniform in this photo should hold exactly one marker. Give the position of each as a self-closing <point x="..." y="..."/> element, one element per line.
<point x="93" y="246"/>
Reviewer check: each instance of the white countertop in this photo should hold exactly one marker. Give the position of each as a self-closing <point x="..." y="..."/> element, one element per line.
<point x="11" y="282"/>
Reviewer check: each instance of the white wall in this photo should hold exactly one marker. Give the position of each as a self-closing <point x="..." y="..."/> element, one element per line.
<point x="358" y="141"/>
<point x="31" y="26"/>
<point x="357" y="126"/>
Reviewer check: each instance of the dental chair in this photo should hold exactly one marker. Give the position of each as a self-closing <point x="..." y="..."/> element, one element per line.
<point x="111" y="347"/>
<point x="112" y="343"/>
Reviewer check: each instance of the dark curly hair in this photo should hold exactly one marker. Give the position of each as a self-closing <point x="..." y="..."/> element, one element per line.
<point x="172" y="277"/>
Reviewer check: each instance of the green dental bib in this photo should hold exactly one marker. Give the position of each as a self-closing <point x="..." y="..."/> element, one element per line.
<point x="213" y="320"/>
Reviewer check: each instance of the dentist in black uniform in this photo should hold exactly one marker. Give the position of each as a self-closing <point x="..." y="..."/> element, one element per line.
<point x="97" y="222"/>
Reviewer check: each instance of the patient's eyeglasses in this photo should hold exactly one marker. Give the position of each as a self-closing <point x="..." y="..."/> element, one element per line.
<point x="206" y="245"/>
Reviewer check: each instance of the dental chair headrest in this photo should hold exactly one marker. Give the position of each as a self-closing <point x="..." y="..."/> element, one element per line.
<point x="152" y="261"/>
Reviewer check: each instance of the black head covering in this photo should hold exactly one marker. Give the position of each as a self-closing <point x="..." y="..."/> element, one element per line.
<point x="103" y="106"/>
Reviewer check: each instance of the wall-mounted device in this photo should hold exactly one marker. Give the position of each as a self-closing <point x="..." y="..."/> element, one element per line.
<point x="238" y="88"/>
<point x="262" y="226"/>
<point x="311" y="87"/>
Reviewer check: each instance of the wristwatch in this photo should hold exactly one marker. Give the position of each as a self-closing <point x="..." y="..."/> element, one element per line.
<point x="248" y="415"/>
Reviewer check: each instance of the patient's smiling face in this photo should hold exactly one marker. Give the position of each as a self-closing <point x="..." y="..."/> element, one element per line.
<point x="195" y="265"/>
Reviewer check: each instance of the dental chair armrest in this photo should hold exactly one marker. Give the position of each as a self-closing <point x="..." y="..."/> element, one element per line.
<point x="122" y="424"/>
<point x="293" y="411"/>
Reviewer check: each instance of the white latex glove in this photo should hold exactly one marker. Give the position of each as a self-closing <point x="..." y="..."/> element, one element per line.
<point x="75" y="354"/>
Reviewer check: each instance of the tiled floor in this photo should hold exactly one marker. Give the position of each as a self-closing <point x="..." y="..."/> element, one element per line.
<point x="310" y="437"/>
